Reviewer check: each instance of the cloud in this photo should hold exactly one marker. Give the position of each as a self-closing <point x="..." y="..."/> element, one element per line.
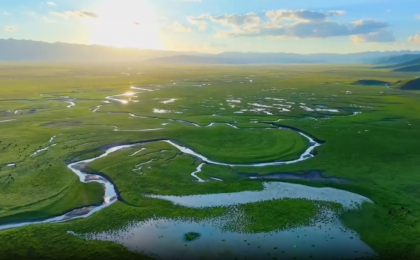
<point x="322" y="29"/>
<point x="52" y="4"/>
<point x="245" y="23"/>
<point x="174" y="26"/>
<point x="178" y="27"/>
<point x="248" y="23"/>
<point x="187" y="0"/>
<point x="414" y="39"/>
<point x="341" y="12"/>
<point x="300" y="15"/>
<point x="79" y="14"/>
<point x="6" y="14"/>
<point x="294" y="24"/>
<point x="250" y="19"/>
<point x="366" y="26"/>
<point x="200" y="21"/>
<point x="379" y="36"/>
<point x="11" y="28"/>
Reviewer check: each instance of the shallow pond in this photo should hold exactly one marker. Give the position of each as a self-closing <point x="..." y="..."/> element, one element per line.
<point x="271" y="191"/>
<point x="165" y="239"/>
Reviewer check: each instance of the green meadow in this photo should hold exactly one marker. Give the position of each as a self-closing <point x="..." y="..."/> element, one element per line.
<point x="369" y="134"/>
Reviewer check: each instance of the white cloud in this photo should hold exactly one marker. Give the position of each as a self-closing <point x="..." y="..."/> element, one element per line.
<point x="6" y="14"/>
<point x="244" y="22"/>
<point x="178" y="27"/>
<point x="51" y="4"/>
<point x="366" y="26"/>
<point x="300" y="15"/>
<point x="379" y="36"/>
<point x="80" y="14"/>
<point x="294" y="24"/>
<point x="341" y="12"/>
<point x="414" y="39"/>
<point x="200" y="21"/>
<point x="11" y="28"/>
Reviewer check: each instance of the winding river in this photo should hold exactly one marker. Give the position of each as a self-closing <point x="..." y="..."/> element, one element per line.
<point x="110" y="194"/>
<point x="270" y="191"/>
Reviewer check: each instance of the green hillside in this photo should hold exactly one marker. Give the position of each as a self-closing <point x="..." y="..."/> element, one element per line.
<point x="413" y="84"/>
<point x="399" y="59"/>
<point x="400" y="65"/>
<point x="414" y="68"/>
<point x="370" y="82"/>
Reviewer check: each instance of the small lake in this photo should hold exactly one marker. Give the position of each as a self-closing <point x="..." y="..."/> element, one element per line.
<point x="271" y="190"/>
<point x="165" y="239"/>
<point x="226" y="237"/>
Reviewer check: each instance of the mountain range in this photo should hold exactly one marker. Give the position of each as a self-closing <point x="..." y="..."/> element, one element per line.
<point x="27" y="50"/>
<point x="402" y="63"/>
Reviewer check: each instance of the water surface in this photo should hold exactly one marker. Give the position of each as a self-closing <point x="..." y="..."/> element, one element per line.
<point x="271" y="191"/>
<point x="164" y="239"/>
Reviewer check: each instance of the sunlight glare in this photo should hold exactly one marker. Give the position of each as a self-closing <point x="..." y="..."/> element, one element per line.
<point x="125" y="24"/>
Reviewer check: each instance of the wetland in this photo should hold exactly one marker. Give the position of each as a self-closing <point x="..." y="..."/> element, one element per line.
<point x="157" y="168"/>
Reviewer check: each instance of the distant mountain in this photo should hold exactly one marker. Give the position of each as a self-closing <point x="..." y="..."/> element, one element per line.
<point x="410" y="63"/>
<point x="273" y="58"/>
<point x="332" y="58"/>
<point x="398" y="59"/>
<point x="413" y="84"/>
<point x="279" y="58"/>
<point x="239" y="58"/>
<point x="400" y="65"/>
<point x="186" y="59"/>
<point x="414" y="68"/>
<point x="25" y="50"/>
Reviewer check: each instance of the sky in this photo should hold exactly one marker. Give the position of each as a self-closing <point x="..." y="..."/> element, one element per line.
<point x="213" y="26"/>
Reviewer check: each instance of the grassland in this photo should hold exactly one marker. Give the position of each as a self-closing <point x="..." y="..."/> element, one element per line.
<point x="377" y="148"/>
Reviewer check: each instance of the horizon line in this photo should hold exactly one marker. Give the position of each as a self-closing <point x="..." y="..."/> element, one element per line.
<point x="212" y="53"/>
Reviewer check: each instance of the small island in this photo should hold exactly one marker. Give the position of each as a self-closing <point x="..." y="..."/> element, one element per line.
<point x="191" y="236"/>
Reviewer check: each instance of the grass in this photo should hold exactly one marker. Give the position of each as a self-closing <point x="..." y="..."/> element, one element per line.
<point x="73" y="197"/>
<point x="170" y="169"/>
<point x="378" y="149"/>
<point x="225" y="144"/>
<point x="282" y="214"/>
<point x="191" y="236"/>
<point x="413" y="84"/>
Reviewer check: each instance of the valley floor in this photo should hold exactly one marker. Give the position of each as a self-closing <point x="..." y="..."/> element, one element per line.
<point x="207" y="162"/>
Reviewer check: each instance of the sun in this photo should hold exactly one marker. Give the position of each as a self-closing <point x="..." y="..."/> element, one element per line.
<point x="125" y="24"/>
